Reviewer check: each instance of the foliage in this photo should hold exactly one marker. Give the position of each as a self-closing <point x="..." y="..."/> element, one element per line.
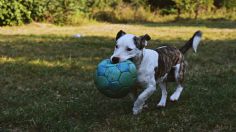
<point x="74" y="12"/>
<point x="14" y="12"/>
<point x="161" y="4"/>
<point x="124" y="13"/>
<point x="229" y="4"/>
<point x="56" y="11"/>
<point x="193" y="6"/>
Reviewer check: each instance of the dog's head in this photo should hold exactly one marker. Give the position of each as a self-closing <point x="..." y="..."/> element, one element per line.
<point x="128" y="46"/>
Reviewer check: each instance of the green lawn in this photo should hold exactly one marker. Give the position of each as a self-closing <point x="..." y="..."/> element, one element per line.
<point x="46" y="79"/>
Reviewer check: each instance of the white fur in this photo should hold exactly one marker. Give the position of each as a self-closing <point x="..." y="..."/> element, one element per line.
<point x="161" y="47"/>
<point x="177" y="68"/>
<point x="162" y="102"/>
<point x="146" y="77"/>
<point x="176" y="94"/>
<point x="147" y="66"/>
<point x="196" y="41"/>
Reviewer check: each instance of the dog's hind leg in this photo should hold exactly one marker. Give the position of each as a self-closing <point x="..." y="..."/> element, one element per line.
<point x="179" y="76"/>
<point x="176" y="94"/>
<point x="162" y="102"/>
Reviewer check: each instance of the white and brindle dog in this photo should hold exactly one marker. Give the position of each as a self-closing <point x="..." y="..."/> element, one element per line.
<point x="158" y="66"/>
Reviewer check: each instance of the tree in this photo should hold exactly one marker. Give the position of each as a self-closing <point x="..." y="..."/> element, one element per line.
<point x="182" y="6"/>
<point x="229" y="4"/>
<point x="202" y="5"/>
<point x="192" y="6"/>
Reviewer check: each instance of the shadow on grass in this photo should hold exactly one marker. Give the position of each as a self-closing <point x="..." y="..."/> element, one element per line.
<point x="52" y="47"/>
<point x="47" y="84"/>
<point x="41" y="97"/>
<point x="49" y="79"/>
<point x="209" y="23"/>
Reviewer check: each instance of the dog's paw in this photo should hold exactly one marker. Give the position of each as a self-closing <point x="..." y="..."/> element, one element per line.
<point x="137" y="111"/>
<point x="161" y="104"/>
<point x="174" y="97"/>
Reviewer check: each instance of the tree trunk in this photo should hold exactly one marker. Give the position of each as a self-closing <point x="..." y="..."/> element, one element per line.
<point x="178" y="14"/>
<point x="196" y="13"/>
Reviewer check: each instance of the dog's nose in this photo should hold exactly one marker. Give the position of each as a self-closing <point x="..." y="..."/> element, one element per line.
<point x="115" y="60"/>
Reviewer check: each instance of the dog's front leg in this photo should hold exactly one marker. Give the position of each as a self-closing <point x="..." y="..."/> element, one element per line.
<point x="138" y="104"/>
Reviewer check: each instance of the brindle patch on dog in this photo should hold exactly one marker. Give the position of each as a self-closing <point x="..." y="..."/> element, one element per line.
<point x="140" y="41"/>
<point x="168" y="58"/>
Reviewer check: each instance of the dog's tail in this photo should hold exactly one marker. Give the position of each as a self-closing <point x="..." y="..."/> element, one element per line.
<point x="192" y="43"/>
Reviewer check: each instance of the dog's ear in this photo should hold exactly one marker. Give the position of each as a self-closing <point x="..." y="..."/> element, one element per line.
<point x="146" y="37"/>
<point x="119" y="34"/>
<point x="141" y="41"/>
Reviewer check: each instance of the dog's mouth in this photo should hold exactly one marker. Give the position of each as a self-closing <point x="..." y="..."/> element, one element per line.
<point x="131" y="59"/>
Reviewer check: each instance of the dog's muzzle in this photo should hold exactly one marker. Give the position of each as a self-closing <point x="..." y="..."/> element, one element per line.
<point x="115" y="60"/>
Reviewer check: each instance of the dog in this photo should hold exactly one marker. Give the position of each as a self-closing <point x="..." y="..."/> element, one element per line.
<point x="159" y="66"/>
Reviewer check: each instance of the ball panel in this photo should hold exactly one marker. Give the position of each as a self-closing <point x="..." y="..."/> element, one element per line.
<point x="112" y="74"/>
<point x="114" y="85"/>
<point x="115" y="90"/>
<point x="112" y="89"/>
<point x="132" y="69"/>
<point x="101" y="82"/>
<point x="123" y="67"/>
<point x="101" y="71"/>
<point x="126" y="79"/>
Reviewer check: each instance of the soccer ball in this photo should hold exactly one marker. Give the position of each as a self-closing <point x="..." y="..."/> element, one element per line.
<point x="115" y="80"/>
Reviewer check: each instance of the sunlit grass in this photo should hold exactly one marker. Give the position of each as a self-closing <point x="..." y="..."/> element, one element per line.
<point x="157" y="31"/>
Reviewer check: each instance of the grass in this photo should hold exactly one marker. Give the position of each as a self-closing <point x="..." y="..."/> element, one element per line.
<point x="46" y="80"/>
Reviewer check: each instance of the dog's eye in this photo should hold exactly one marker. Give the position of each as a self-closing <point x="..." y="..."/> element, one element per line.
<point x="116" y="46"/>
<point x="128" y="49"/>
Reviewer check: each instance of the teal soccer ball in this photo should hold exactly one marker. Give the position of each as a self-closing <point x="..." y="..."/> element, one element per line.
<point x="115" y="80"/>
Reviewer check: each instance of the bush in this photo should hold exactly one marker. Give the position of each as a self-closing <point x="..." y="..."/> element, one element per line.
<point x="229" y="4"/>
<point x="106" y="15"/>
<point x="74" y="12"/>
<point x="58" y="11"/>
<point x="123" y="13"/>
<point x="17" y="12"/>
<point x="14" y="12"/>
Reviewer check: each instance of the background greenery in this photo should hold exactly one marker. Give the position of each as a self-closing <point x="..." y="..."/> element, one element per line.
<point x="75" y="12"/>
